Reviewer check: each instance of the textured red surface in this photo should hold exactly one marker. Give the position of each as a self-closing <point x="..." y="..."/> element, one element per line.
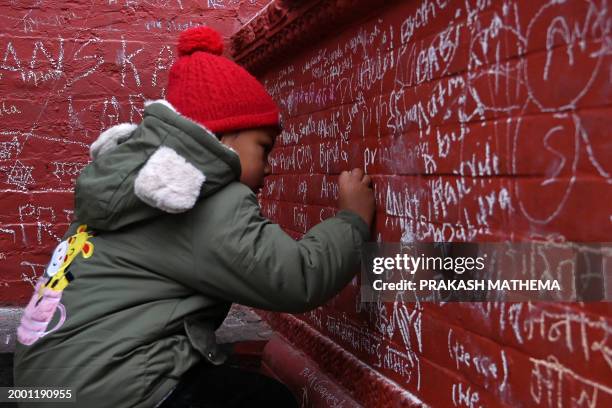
<point x="478" y="121"/>
<point x="66" y="73"/>
<point x="315" y="389"/>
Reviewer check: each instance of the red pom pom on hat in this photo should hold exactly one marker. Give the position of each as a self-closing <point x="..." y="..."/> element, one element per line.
<point x="200" y="39"/>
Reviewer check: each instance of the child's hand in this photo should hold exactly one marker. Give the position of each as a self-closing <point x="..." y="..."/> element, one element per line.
<point x="355" y="194"/>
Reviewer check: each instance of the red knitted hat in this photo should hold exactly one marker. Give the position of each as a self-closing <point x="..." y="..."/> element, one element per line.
<point x="214" y="91"/>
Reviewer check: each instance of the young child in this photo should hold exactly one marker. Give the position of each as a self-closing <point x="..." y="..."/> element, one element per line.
<point x="167" y="234"/>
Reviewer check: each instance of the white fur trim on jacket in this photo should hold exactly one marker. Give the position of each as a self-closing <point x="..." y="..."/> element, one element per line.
<point x="169" y="182"/>
<point x="110" y="138"/>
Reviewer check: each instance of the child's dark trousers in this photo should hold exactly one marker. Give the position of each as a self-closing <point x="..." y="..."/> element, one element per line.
<point x="209" y="386"/>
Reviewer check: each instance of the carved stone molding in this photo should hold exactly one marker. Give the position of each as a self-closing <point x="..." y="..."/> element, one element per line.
<point x="366" y="386"/>
<point x="285" y="26"/>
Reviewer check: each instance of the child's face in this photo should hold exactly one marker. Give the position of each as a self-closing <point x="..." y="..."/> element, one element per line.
<point x="253" y="147"/>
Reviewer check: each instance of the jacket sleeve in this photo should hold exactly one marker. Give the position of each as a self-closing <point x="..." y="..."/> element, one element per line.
<point x="263" y="267"/>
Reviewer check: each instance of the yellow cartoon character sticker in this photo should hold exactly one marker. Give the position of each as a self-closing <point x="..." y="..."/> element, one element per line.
<point x="47" y="294"/>
<point x="63" y="256"/>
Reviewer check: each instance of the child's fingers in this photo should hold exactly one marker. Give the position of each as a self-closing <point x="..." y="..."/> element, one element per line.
<point x="357" y="173"/>
<point x="344" y="175"/>
<point x="367" y="180"/>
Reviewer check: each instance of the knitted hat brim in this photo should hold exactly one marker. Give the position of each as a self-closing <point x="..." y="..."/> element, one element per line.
<point x="243" y="122"/>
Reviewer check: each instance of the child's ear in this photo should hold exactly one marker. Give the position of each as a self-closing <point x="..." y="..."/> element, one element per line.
<point x="228" y="139"/>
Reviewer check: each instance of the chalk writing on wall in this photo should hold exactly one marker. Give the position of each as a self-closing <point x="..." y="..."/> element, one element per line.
<point x="66" y="74"/>
<point x="478" y="121"/>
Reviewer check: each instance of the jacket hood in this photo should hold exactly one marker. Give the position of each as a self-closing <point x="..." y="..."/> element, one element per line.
<point x="163" y="165"/>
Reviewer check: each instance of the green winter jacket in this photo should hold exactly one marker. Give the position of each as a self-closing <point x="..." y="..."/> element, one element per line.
<point x="176" y="239"/>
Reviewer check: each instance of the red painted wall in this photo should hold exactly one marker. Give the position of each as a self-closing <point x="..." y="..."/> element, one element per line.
<point x="66" y="73"/>
<point x="478" y="121"/>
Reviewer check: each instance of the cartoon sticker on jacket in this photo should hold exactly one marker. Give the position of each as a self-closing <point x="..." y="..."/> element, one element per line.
<point x="48" y="290"/>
